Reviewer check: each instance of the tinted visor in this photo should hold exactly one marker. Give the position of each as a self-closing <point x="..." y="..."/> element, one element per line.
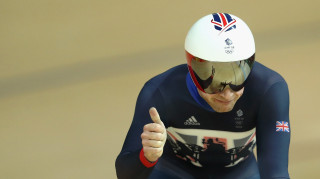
<point x="213" y="77"/>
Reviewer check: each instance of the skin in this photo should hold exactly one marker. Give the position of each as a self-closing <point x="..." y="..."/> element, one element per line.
<point x="153" y="137"/>
<point x="223" y="101"/>
<point x="154" y="134"/>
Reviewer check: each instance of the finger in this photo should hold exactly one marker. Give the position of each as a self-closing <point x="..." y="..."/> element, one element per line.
<point x="153" y="136"/>
<point x="155" y="116"/>
<point x="152" y="143"/>
<point x="154" y="127"/>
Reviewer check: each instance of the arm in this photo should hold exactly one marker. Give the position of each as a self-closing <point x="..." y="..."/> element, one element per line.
<point x="272" y="145"/>
<point x="131" y="162"/>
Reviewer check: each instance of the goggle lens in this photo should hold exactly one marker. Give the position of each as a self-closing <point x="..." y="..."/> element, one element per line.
<point x="213" y="77"/>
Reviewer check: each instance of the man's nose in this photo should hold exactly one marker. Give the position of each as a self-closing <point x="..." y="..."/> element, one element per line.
<point x="227" y="93"/>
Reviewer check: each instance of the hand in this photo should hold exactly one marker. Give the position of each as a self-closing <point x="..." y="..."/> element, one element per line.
<point x="153" y="137"/>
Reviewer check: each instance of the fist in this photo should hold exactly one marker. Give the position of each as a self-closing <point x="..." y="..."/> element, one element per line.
<point x="153" y="137"/>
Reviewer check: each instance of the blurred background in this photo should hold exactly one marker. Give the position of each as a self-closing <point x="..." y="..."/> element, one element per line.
<point x="71" y="70"/>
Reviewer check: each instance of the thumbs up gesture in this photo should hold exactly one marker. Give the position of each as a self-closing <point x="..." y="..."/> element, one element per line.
<point x="153" y="137"/>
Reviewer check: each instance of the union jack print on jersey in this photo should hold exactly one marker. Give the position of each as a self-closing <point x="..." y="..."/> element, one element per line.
<point x="223" y="22"/>
<point x="282" y="126"/>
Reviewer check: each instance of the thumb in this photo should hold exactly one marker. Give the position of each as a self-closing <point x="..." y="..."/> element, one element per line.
<point x="155" y="116"/>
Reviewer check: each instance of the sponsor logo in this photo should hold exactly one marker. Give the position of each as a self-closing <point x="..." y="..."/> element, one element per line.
<point x="192" y="121"/>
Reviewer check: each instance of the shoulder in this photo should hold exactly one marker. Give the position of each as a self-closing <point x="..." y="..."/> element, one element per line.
<point x="158" y="89"/>
<point x="164" y="81"/>
<point x="170" y="75"/>
<point x="265" y="74"/>
<point x="263" y="78"/>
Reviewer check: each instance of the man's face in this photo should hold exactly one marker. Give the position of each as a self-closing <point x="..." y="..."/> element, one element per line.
<point x="223" y="101"/>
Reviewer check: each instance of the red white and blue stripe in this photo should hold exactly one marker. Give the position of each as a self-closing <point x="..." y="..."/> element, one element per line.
<point x="282" y="126"/>
<point x="223" y="22"/>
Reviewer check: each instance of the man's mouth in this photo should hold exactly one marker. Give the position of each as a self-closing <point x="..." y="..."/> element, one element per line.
<point x="222" y="101"/>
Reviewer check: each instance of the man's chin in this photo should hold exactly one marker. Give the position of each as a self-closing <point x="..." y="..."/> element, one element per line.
<point x="222" y="109"/>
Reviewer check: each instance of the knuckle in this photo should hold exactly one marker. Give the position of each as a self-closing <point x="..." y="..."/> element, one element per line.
<point x="164" y="137"/>
<point x="153" y="144"/>
<point x="159" y="143"/>
<point x="144" y="142"/>
<point x="145" y="135"/>
<point x="158" y="128"/>
<point x="154" y="150"/>
<point x="163" y="130"/>
<point x="154" y="126"/>
<point x="158" y="136"/>
<point x="145" y="127"/>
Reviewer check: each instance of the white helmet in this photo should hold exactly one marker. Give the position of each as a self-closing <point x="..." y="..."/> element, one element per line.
<point x="220" y="51"/>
